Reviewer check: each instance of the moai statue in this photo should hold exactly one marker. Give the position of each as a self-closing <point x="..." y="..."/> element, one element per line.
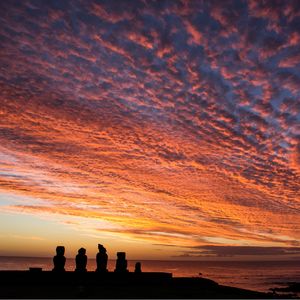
<point x="59" y="259"/>
<point x="138" y="268"/>
<point x="101" y="259"/>
<point x="81" y="260"/>
<point x="121" y="263"/>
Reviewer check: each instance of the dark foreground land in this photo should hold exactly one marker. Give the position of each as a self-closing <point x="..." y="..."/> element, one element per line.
<point x="47" y="284"/>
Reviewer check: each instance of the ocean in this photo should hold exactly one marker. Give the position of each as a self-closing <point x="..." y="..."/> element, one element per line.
<point x="254" y="275"/>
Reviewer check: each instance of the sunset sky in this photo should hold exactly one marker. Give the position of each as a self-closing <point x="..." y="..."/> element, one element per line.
<point x="166" y="129"/>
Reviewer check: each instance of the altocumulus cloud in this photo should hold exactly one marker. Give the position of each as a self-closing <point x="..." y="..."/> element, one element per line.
<point x="231" y="251"/>
<point x="172" y="120"/>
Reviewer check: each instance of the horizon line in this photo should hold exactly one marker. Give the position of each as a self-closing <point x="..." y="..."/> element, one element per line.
<point x="175" y="260"/>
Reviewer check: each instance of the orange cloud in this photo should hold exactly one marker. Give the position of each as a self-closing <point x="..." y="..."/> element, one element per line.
<point x="166" y="123"/>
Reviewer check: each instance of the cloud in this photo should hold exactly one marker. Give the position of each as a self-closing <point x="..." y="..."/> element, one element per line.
<point x="231" y="251"/>
<point x="31" y="238"/>
<point x="170" y="120"/>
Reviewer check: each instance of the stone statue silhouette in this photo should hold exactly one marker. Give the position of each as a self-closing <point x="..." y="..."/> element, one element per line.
<point x="81" y="260"/>
<point x="121" y="263"/>
<point x="59" y="259"/>
<point x="101" y="259"/>
<point x="138" y="268"/>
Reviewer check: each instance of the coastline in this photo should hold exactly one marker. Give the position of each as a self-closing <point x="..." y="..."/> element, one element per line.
<point x="253" y="275"/>
<point x="48" y="284"/>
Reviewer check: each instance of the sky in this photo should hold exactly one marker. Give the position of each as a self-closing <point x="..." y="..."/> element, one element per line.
<point x="166" y="129"/>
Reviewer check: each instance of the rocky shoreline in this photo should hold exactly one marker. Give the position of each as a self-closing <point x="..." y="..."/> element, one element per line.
<point x="48" y="284"/>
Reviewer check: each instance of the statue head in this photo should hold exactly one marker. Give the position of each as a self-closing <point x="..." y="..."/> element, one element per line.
<point x="121" y="255"/>
<point x="101" y="248"/>
<point x="81" y="251"/>
<point x="60" y="250"/>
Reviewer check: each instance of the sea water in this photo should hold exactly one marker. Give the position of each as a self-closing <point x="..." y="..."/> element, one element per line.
<point x="254" y="275"/>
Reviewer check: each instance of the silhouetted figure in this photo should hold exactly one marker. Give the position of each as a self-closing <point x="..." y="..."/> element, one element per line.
<point x="81" y="260"/>
<point x="59" y="260"/>
<point x="138" y="268"/>
<point x="101" y="259"/>
<point x="121" y="263"/>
